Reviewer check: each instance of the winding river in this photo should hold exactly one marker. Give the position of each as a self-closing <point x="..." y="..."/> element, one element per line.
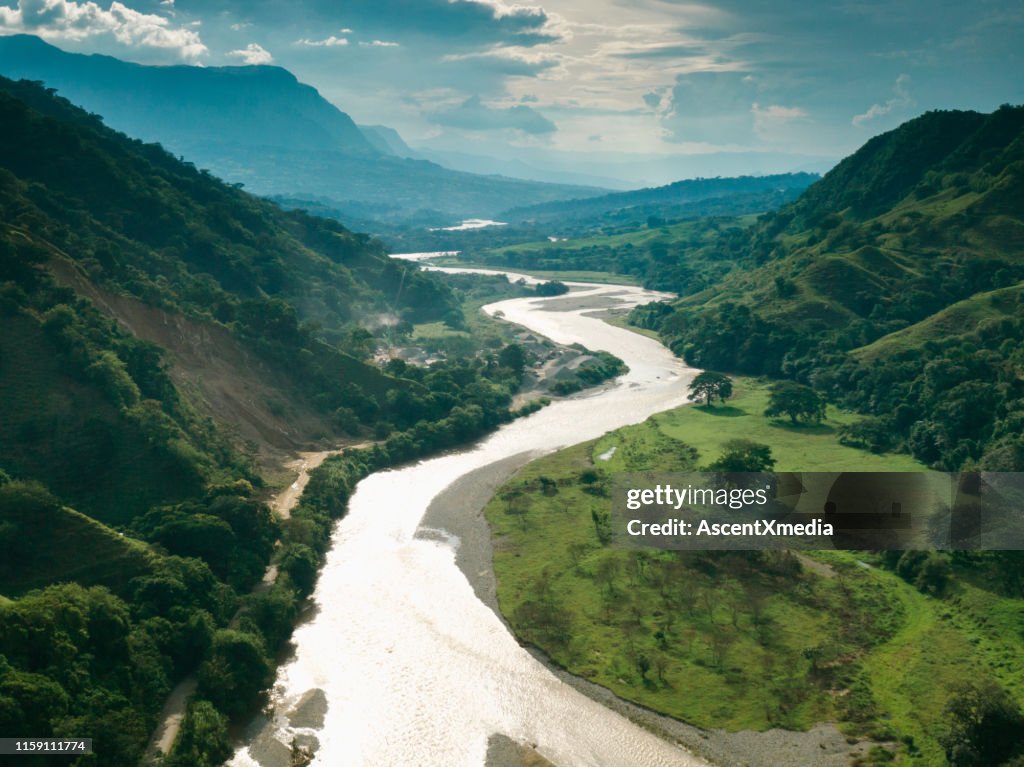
<point x="416" y="670"/>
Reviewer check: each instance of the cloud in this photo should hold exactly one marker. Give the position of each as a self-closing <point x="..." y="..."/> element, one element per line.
<point x="901" y="89"/>
<point x="455" y="25"/>
<point x="329" y="42"/>
<point x="712" y="107"/>
<point x="473" y="114"/>
<point x="772" y="122"/>
<point x="522" y="62"/>
<point x="253" y="54"/>
<point x="64" y="20"/>
<point x="380" y="44"/>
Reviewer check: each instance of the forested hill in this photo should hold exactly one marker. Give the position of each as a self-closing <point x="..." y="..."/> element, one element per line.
<point x="159" y="327"/>
<point x="683" y="199"/>
<point x="893" y="285"/>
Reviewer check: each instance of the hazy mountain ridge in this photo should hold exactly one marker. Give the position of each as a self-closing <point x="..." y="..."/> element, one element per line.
<point x="260" y="126"/>
<point x="181" y="106"/>
<point x="671" y="200"/>
<point x="387" y="141"/>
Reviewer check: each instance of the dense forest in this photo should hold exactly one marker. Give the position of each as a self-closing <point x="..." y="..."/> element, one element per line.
<point x="132" y="523"/>
<point x="689" y="198"/>
<point x="654" y="253"/>
<point x="893" y="286"/>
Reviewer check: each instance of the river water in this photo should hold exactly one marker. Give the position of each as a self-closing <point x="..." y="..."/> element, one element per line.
<point x="415" y="669"/>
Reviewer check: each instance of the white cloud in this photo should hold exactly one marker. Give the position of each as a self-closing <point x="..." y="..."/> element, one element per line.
<point x="901" y="99"/>
<point x="329" y="42"/>
<point x="381" y="44"/>
<point x="772" y="122"/>
<point x="502" y="10"/>
<point x="513" y="61"/>
<point x="240" y="26"/>
<point x="64" y="20"/>
<point x="253" y="53"/>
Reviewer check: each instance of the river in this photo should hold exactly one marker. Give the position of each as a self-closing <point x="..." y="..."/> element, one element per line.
<point x="414" y="668"/>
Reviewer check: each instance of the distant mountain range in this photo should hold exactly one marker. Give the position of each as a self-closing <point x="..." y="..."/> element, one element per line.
<point x="682" y="199"/>
<point x="260" y="126"/>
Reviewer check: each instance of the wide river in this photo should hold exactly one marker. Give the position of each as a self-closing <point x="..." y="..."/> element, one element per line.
<point x="415" y="669"/>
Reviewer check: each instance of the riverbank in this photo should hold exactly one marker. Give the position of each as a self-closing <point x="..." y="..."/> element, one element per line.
<point x="416" y="669"/>
<point x="458" y="510"/>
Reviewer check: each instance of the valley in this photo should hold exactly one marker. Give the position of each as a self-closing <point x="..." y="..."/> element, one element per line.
<point x="309" y="444"/>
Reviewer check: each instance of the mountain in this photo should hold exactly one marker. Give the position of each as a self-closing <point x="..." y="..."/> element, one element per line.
<point x="492" y="164"/>
<point x="166" y="340"/>
<point x="687" y="198"/>
<point x="627" y="170"/>
<point x="222" y="285"/>
<point x="258" y="125"/>
<point x="892" y="285"/>
<point x="182" y="106"/>
<point x="387" y="141"/>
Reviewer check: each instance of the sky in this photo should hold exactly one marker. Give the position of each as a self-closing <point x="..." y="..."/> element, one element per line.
<point x="599" y="80"/>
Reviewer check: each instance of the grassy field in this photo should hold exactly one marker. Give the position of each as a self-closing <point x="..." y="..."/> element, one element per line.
<point x="480" y="330"/>
<point x="741" y="640"/>
<point x="795" y="448"/>
<point x="636" y="238"/>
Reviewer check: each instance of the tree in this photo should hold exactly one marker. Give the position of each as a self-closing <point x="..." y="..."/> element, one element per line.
<point x="797" y="401"/>
<point x="235" y="672"/>
<point x="742" y="455"/>
<point x="513" y="357"/>
<point x="203" y="739"/>
<point x="986" y="726"/>
<point x="708" y="385"/>
<point x="552" y="288"/>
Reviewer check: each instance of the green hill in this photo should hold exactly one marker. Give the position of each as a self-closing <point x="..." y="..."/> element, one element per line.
<point x="682" y="199"/>
<point x="911" y="251"/>
<point x="92" y="218"/>
<point x="165" y="338"/>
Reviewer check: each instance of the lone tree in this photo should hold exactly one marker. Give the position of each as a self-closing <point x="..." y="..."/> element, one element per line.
<point x="708" y="385"/>
<point x="742" y="455"/>
<point x="552" y="288"/>
<point x="799" y="402"/>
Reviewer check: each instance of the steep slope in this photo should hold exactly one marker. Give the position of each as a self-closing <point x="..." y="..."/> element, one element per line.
<point x="259" y="126"/>
<point x="917" y="226"/>
<point x="159" y="329"/>
<point x="98" y="227"/>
